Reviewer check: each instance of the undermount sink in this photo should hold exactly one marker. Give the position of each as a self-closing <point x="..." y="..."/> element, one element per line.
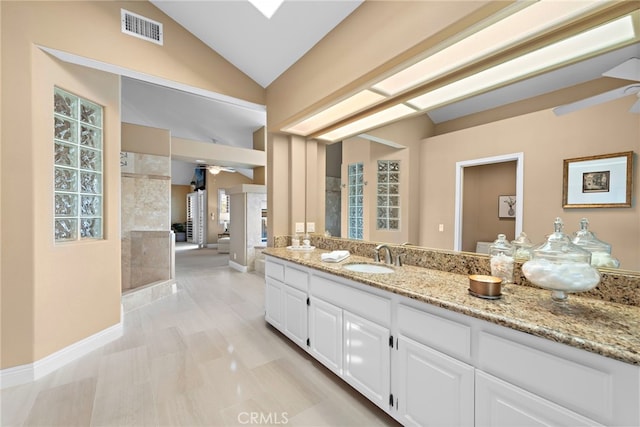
<point x="368" y="268"/>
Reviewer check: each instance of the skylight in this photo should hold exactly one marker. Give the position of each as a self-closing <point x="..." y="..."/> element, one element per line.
<point x="267" y="7"/>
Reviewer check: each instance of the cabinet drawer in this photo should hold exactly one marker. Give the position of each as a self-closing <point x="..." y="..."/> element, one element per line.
<point x="296" y="278"/>
<point x="367" y="305"/>
<point x="585" y="388"/>
<point x="500" y="404"/>
<point x="446" y="335"/>
<point x="274" y="269"/>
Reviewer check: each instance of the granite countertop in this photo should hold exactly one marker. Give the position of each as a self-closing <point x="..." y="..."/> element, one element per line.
<point x="605" y="328"/>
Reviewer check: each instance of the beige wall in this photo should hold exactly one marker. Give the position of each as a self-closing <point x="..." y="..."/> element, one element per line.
<point x="146" y="140"/>
<point x="56" y="295"/>
<point x="52" y="295"/>
<point x="545" y="141"/>
<point x="179" y="203"/>
<point x="278" y="191"/>
<point x="260" y="143"/>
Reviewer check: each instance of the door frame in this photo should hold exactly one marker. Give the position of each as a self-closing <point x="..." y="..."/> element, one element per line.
<point x="519" y="159"/>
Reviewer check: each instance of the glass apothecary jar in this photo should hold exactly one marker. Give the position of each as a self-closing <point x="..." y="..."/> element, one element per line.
<point x="501" y="259"/>
<point x="600" y="251"/>
<point x="561" y="266"/>
<point x="522" y="247"/>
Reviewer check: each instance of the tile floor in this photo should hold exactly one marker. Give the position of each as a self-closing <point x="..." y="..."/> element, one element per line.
<point x="203" y="356"/>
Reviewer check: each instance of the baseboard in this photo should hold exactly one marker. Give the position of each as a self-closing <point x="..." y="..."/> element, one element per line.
<point x="241" y="268"/>
<point x="22" y="374"/>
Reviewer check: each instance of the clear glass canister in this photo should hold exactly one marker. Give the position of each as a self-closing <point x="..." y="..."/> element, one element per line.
<point x="561" y="266"/>
<point x="522" y="247"/>
<point x="600" y="251"/>
<point x="501" y="259"/>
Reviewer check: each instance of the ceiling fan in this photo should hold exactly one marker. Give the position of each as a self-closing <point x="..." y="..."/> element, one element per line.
<point x="628" y="70"/>
<point x="215" y="169"/>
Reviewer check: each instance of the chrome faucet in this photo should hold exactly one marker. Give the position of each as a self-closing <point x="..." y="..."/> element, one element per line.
<point x="387" y="254"/>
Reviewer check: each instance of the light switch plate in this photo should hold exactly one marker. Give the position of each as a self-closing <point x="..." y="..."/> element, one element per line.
<point x="311" y="227"/>
<point x="299" y="227"/>
<point x="441" y="227"/>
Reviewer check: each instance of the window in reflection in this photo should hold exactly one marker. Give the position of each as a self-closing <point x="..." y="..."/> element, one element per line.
<point x="355" y="201"/>
<point x="388" y="195"/>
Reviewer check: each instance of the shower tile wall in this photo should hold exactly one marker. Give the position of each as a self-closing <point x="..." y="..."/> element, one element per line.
<point x="145" y="210"/>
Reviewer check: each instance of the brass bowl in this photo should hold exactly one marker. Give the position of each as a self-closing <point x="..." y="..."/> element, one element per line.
<point x="483" y="286"/>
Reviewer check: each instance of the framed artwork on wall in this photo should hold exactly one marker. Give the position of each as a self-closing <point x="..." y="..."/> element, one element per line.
<point x="602" y="181"/>
<point x="506" y="206"/>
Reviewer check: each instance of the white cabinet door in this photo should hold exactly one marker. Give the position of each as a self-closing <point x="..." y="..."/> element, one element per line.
<point x="325" y="334"/>
<point x="366" y="364"/>
<point x="431" y="388"/>
<point x="295" y="315"/>
<point x="273" y="302"/>
<point x="499" y="403"/>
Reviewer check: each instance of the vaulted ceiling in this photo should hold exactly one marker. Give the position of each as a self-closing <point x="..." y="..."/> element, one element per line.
<point x="263" y="49"/>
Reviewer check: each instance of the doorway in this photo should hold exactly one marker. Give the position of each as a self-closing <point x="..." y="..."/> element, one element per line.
<point x="492" y="204"/>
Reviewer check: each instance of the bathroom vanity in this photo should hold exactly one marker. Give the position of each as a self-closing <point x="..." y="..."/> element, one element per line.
<point x="415" y="343"/>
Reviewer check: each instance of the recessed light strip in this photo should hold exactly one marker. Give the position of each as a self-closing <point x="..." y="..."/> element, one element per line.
<point x="351" y="105"/>
<point x="596" y="39"/>
<point x="377" y="119"/>
<point x="516" y="27"/>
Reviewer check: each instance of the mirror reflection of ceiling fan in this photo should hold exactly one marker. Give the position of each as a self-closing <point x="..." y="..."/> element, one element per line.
<point x="215" y="169"/>
<point x="628" y="70"/>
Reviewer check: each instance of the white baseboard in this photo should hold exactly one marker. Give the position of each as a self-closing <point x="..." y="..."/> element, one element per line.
<point x="30" y="372"/>
<point x="241" y="268"/>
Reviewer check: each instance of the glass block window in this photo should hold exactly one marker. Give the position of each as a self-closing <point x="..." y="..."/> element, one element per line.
<point x="388" y="195"/>
<point x="355" y="208"/>
<point x="77" y="158"/>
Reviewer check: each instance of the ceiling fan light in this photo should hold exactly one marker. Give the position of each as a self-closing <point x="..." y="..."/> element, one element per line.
<point x="214" y="170"/>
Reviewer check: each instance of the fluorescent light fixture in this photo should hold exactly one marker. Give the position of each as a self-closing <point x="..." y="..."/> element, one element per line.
<point x="267" y="7"/>
<point x="369" y="122"/>
<point x="590" y="41"/>
<point x="516" y="27"/>
<point x="349" y="106"/>
<point x="382" y="141"/>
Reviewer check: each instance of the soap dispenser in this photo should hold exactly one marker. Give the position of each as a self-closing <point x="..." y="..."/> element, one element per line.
<point x="501" y="259"/>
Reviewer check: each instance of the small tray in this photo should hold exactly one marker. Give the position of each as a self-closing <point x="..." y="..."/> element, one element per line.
<point x="484" y="296"/>
<point x="301" y="248"/>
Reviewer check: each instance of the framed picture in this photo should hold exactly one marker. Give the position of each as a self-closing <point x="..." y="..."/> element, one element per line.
<point x="598" y="181"/>
<point x="506" y="206"/>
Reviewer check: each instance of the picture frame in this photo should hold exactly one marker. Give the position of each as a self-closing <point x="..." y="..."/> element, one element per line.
<point x="602" y="181"/>
<point x="507" y="207"/>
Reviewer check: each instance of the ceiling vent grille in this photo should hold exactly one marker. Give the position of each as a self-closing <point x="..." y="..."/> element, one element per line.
<point x="141" y="27"/>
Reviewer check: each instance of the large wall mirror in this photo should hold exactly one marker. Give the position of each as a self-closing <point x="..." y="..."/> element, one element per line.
<point x="535" y="144"/>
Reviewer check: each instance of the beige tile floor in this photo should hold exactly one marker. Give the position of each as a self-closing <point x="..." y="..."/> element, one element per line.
<point x="203" y="356"/>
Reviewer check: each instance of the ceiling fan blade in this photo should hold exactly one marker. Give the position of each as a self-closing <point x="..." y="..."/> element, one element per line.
<point x="628" y="70"/>
<point x="597" y="99"/>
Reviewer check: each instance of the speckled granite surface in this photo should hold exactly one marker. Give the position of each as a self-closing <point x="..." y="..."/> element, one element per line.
<point x="602" y="327"/>
<point x="617" y="286"/>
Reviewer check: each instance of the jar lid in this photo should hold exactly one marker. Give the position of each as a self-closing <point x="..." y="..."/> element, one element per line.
<point x="559" y="247"/>
<point x="522" y="240"/>
<point x="501" y="244"/>
<point x="588" y="240"/>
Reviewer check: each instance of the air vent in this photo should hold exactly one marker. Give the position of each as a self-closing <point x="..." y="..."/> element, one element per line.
<point x="141" y="27"/>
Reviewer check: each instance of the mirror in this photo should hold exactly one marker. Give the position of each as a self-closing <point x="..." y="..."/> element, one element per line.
<point x="545" y="140"/>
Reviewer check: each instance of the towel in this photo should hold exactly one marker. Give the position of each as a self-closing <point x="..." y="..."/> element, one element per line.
<point x="334" y="256"/>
